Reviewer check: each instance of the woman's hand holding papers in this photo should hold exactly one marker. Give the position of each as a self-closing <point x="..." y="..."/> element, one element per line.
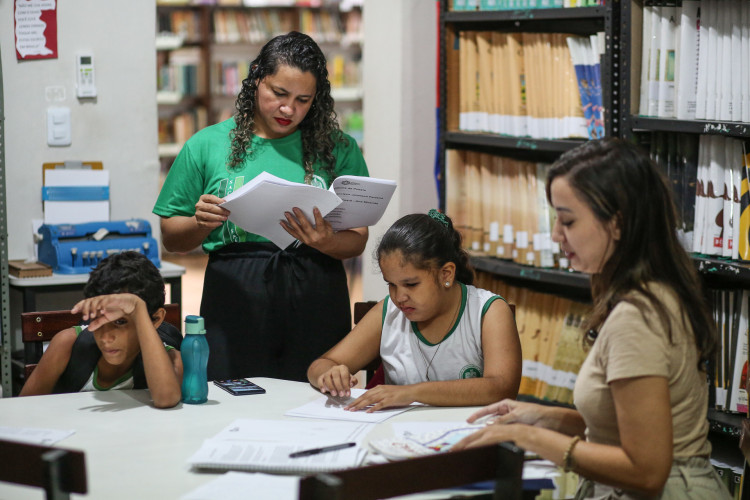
<point x="208" y="213"/>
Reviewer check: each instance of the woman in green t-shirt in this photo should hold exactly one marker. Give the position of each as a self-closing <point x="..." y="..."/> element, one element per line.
<point x="268" y="311"/>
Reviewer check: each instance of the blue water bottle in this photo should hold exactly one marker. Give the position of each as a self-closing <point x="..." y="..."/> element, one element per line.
<point x="194" y="352"/>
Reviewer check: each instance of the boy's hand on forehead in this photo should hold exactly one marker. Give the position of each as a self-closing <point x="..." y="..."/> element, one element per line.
<point x="104" y="309"/>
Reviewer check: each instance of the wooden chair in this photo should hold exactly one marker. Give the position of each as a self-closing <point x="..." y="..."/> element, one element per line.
<point x="39" y="327"/>
<point x="57" y="470"/>
<point x="502" y="463"/>
<point x="374" y="370"/>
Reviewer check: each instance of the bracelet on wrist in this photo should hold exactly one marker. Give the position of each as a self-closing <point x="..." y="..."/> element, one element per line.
<point x="568" y="462"/>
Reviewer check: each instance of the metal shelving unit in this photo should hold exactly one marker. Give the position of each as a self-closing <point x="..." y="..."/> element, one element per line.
<point x="5" y="333"/>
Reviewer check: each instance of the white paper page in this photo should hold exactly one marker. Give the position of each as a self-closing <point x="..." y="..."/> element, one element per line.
<point x="266" y="444"/>
<point x="305" y="432"/>
<point x="363" y="201"/>
<point x="75" y="212"/>
<point x="258" y="206"/>
<point x="272" y="457"/>
<point x="236" y="485"/>
<point x="33" y="435"/>
<point x="331" y="408"/>
<point x="76" y="177"/>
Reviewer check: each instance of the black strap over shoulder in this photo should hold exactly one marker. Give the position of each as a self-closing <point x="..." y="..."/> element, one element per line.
<point x="85" y="355"/>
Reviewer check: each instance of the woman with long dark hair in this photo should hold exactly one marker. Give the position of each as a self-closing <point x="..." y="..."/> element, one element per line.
<point x="639" y="429"/>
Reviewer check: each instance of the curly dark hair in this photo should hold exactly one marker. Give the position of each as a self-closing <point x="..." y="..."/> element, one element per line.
<point x="427" y="243"/>
<point x="616" y="179"/>
<point x="319" y="128"/>
<point x="128" y="272"/>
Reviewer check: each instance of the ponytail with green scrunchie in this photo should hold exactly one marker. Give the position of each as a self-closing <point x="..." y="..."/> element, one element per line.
<point x="440" y="217"/>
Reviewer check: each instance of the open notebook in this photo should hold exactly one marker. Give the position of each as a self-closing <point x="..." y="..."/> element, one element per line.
<point x="265" y="445"/>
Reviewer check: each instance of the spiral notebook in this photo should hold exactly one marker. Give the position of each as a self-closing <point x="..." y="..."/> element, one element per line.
<point x="265" y="445"/>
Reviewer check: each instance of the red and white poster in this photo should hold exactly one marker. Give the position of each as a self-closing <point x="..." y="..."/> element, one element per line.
<point x="36" y="29"/>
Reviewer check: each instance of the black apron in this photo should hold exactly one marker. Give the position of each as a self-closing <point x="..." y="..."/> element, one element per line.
<point x="271" y="312"/>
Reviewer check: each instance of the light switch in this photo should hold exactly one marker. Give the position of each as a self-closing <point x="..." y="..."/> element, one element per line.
<point x="58" y="126"/>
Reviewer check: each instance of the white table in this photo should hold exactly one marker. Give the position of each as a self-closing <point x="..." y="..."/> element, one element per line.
<point x="135" y="451"/>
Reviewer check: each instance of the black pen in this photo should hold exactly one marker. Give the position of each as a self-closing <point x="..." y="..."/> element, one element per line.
<point x="315" y="451"/>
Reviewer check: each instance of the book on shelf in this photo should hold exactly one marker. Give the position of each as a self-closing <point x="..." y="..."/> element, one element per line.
<point x="688" y="60"/>
<point x="669" y="35"/>
<point x="738" y="351"/>
<point x="652" y="66"/>
<point x="744" y="219"/>
<point x="352" y="201"/>
<point x="265" y="446"/>
<point x="587" y="68"/>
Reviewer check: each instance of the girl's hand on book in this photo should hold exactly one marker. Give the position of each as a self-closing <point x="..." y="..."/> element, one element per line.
<point x="381" y="397"/>
<point x="337" y="381"/>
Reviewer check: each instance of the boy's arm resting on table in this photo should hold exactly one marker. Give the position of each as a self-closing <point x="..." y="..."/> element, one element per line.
<point x="184" y="233"/>
<point x="501" y="349"/>
<point x="334" y="371"/>
<point x="163" y="367"/>
<point x="53" y="363"/>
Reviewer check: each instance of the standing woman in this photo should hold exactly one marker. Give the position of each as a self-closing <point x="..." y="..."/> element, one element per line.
<point x="639" y="429"/>
<point x="269" y="311"/>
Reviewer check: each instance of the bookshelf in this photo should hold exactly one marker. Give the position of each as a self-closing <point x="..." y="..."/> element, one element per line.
<point x="621" y="81"/>
<point x="556" y="287"/>
<point x="720" y="273"/>
<point x="203" y="52"/>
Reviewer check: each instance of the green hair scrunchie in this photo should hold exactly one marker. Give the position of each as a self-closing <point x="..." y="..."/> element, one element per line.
<point x="440" y="217"/>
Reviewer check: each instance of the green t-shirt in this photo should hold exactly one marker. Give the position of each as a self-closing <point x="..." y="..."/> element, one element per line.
<point x="201" y="168"/>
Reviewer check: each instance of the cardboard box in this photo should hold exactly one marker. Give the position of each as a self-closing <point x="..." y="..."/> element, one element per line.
<point x="23" y="269"/>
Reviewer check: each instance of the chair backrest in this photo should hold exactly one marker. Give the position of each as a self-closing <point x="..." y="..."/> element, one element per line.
<point x="373" y="371"/>
<point x="59" y="471"/>
<point x="39" y="327"/>
<point x="502" y="463"/>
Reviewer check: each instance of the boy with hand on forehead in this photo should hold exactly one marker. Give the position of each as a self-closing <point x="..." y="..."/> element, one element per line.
<point x="126" y="345"/>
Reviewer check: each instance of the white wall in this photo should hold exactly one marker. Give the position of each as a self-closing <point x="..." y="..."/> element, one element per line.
<point x="399" y="112"/>
<point x="118" y="128"/>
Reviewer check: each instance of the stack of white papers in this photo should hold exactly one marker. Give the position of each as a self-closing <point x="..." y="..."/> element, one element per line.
<point x="34" y="435"/>
<point x="352" y="201"/>
<point x="265" y="445"/>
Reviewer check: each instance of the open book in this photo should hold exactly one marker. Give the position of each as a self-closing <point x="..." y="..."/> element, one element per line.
<point x="265" y="445"/>
<point x="352" y="201"/>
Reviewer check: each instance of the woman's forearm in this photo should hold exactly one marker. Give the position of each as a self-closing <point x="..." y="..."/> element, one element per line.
<point x="182" y="234"/>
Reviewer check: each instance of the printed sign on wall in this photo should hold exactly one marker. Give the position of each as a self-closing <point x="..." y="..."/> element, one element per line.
<point x="36" y="29"/>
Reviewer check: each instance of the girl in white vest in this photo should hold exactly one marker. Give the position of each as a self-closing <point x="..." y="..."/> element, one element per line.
<point x="442" y="341"/>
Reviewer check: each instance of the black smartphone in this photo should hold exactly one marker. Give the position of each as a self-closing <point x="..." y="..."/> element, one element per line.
<point x="240" y="387"/>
